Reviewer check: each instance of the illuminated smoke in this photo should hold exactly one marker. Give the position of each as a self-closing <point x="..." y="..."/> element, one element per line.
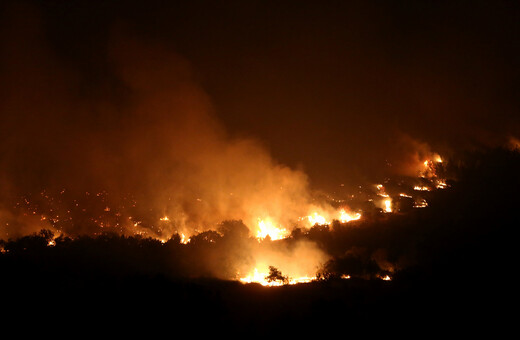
<point x="145" y="155"/>
<point x="155" y="140"/>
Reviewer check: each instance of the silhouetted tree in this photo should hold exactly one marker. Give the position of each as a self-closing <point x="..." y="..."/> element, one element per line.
<point x="234" y="229"/>
<point x="276" y="275"/>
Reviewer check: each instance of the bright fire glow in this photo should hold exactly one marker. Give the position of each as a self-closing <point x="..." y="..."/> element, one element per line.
<point x="184" y="239"/>
<point x="315" y="218"/>
<point x="267" y="228"/>
<point x="388" y="205"/>
<point x="421" y="204"/>
<point x="320" y="213"/>
<point x="441" y="184"/>
<point x="261" y="278"/>
<point x="345" y="217"/>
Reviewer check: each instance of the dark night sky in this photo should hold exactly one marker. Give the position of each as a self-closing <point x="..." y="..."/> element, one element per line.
<point x="336" y="87"/>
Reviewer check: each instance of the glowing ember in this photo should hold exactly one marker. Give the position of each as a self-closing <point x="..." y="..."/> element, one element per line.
<point x="421" y="188"/>
<point x="165" y="218"/>
<point x="441" y="184"/>
<point x="386" y="278"/>
<point x="267" y="228"/>
<point x="421" y="204"/>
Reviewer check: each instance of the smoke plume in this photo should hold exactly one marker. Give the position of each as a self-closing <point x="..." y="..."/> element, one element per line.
<point x="145" y="130"/>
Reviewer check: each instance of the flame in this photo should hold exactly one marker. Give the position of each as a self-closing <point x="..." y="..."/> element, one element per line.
<point x="315" y="218"/>
<point x="321" y="213"/>
<point x="261" y="277"/>
<point x="345" y="217"/>
<point x="421" y="204"/>
<point x="441" y="184"/>
<point x="341" y="215"/>
<point x="184" y="239"/>
<point x="381" y="190"/>
<point x="388" y="205"/>
<point x="267" y="228"/>
<point x="255" y="277"/>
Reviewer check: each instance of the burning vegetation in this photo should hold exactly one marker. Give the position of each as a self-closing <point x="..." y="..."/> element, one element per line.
<point x="346" y="269"/>
<point x="341" y="173"/>
<point x="258" y="252"/>
<point x="148" y="161"/>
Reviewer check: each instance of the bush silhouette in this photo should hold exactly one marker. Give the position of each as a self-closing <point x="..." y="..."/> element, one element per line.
<point x="275" y="275"/>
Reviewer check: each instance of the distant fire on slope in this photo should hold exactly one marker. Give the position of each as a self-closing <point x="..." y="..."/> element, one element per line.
<point x="94" y="214"/>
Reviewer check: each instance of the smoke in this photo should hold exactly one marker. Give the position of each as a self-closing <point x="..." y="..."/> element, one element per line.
<point x="145" y="130"/>
<point x="407" y="155"/>
<point x="302" y="258"/>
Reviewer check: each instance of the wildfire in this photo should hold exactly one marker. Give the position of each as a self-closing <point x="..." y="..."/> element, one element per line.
<point x="381" y="190"/>
<point x="342" y="215"/>
<point x="388" y="205"/>
<point x="421" y="204"/>
<point x="441" y="184"/>
<point x="263" y="278"/>
<point x="315" y="218"/>
<point x="95" y="208"/>
<point x="345" y="217"/>
<point x="267" y="228"/>
<point x="184" y="239"/>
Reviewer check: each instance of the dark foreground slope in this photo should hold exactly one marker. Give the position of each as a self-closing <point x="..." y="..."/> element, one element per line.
<point x="454" y="265"/>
